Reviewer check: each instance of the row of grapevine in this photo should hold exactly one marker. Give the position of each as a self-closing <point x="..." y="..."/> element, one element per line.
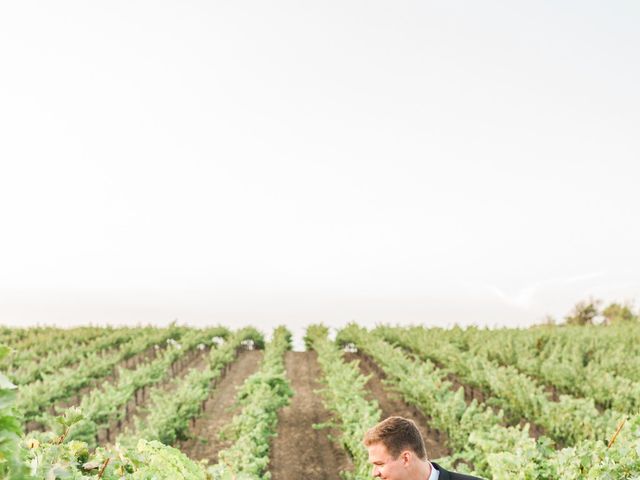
<point x="33" y="369"/>
<point x="345" y="396"/>
<point x="103" y="406"/>
<point x="36" y="344"/>
<point x="566" y="421"/>
<point x="52" y="455"/>
<point x="37" y="396"/>
<point x="33" y="336"/>
<point x="423" y="385"/>
<point x="477" y="437"/>
<point x="261" y="396"/>
<point x="14" y="336"/>
<point x="562" y="361"/>
<point x="611" y="348"/>
<point x="10" y="336"/>
<point x="171" y="410"/>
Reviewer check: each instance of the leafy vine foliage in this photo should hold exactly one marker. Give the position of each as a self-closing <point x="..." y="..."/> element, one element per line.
<point x="344" y="395"/>
<point x="482" y="436"/>
<point x="146" y="454"/>
<point x="261" y="396"/>
<point x="11" y="465"/>
<point x="546" y="403"/>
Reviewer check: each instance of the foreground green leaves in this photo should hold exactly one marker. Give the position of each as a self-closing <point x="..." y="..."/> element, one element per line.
<point x="11" y="466"/>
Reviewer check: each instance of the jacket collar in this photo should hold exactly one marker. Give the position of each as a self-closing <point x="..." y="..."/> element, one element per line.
<point x="444" y="474"/>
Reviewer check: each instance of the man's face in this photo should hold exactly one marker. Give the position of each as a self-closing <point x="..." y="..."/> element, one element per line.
<point x="385" y="466"/>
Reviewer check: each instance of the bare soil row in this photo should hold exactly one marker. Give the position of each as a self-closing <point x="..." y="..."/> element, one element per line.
<point x="205" y="442"/>
<point x="299" y="451"/>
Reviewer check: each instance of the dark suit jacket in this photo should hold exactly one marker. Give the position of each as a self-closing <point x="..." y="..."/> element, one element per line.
<point x="447" y="475"/>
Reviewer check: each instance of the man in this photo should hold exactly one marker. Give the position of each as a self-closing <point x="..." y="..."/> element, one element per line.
<point x="397" y="452"/>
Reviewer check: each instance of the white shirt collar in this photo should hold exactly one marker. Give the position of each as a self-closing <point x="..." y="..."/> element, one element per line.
<point x="434" y="473"/>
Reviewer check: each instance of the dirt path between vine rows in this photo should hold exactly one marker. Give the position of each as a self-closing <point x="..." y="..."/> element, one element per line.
<point x="391" y="403"/>
<point x="300" y="452"/>
<point x="219" y="409"/>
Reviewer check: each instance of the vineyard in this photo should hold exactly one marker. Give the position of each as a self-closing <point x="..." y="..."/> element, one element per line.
<point x="549" y="402"/>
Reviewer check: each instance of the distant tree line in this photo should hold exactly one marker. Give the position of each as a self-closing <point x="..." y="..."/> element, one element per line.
<point x="589" y="312"/>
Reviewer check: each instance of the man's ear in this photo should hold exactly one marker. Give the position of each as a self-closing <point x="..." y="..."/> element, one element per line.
<point x="406" y="457"/>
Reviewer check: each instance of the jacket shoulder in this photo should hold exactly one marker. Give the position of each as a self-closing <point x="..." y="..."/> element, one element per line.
<point x="447" y="475"/>
<point x="460" y="476"/>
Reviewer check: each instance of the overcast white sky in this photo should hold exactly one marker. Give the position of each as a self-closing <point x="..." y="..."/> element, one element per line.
<point x="265" y="162"/>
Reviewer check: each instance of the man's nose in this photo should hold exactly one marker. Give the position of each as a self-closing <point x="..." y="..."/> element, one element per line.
<point x="376" y="472"/>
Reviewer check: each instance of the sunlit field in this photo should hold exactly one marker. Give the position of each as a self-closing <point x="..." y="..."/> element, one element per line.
<point x="546" y="402"/>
